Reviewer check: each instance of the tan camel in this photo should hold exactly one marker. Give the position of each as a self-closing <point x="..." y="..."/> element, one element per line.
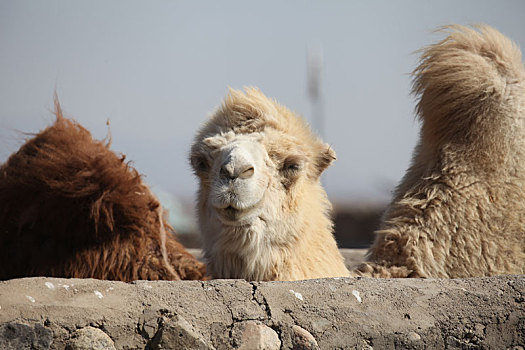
<point x="460" y="209"/>
<point x="262" y="211"/>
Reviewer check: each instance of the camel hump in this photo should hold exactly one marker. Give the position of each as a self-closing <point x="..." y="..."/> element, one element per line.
<point x="474" y="76"/>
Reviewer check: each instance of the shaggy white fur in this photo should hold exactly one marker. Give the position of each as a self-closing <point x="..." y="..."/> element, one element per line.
<point x="262" y="211"/>
<point x="460" y="209"/>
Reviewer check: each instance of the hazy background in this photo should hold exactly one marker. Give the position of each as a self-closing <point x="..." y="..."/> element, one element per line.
<point x="157" y="69"/>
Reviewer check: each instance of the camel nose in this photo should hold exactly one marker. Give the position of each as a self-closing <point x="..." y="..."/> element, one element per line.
<point x="230" y="171"/>
<point x="237" y="165"/>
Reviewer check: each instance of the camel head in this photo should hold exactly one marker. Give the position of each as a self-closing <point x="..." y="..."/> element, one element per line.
<point x="258" y="164"/>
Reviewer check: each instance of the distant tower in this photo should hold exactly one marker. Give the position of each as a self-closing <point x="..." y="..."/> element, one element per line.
<point x="314" y="62"/>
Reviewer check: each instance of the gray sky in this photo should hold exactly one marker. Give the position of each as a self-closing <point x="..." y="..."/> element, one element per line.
<point x="157" y="69"/>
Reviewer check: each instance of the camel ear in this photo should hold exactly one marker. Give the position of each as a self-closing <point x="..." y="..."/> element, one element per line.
<point x="324" y="159"/>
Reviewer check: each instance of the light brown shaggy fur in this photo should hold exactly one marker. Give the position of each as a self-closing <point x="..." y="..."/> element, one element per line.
<point x="262" y="210"/>
<point x="460" y="209"/>
<point x="70" y="207"/>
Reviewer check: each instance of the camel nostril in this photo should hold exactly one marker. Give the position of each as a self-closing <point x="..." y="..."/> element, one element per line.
<point x="229" y="172"/>
<point x="247" y="173"/>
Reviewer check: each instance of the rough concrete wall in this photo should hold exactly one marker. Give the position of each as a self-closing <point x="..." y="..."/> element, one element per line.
<point x="345" y="313"/>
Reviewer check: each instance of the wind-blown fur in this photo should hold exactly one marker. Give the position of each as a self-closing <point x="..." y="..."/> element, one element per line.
<point x="460" y="209"/>
<point x="70" y="207"/>
<point x="262" y="210"/>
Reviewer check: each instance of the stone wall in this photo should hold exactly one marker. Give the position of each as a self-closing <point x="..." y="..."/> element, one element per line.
<point x="340" y="313"/>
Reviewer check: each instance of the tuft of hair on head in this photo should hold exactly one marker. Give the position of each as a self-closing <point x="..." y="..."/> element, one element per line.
<point x="248" y="109"/>
<point x="58" y="109"/>
<point x="60" y="119"/>
<point x="465" y="79"/>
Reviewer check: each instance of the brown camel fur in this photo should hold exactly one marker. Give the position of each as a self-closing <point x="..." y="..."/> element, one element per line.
<point x="70" y="207"/>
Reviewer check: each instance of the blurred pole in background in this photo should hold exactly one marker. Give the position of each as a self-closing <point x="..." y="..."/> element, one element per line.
<point x="314" y="64"/>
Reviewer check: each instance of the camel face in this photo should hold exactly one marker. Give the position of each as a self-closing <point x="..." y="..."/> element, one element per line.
<point x="239" y="172"/>
<point x="247" y="178"/>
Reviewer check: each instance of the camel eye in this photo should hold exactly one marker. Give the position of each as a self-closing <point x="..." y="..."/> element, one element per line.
<point x="292" y="165"/>
<point x="200" y="164"/>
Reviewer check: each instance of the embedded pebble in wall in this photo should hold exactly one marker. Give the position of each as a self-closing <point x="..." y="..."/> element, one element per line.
<point x="90" y="338"/>
<point x="30" y="298"/>
<point x="50" y="285"/>
<point x="259" y="336"/>
<point x="297" y="295"/>
<point x="413" y="336"/>
<point x="356" y="295"/>
<point x="302" y="339"/>
<point x="98" y="294"/>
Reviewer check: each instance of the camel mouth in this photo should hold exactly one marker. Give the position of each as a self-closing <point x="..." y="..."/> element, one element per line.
<point x="233" y="216"/>
<point x="234" y="211"/>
